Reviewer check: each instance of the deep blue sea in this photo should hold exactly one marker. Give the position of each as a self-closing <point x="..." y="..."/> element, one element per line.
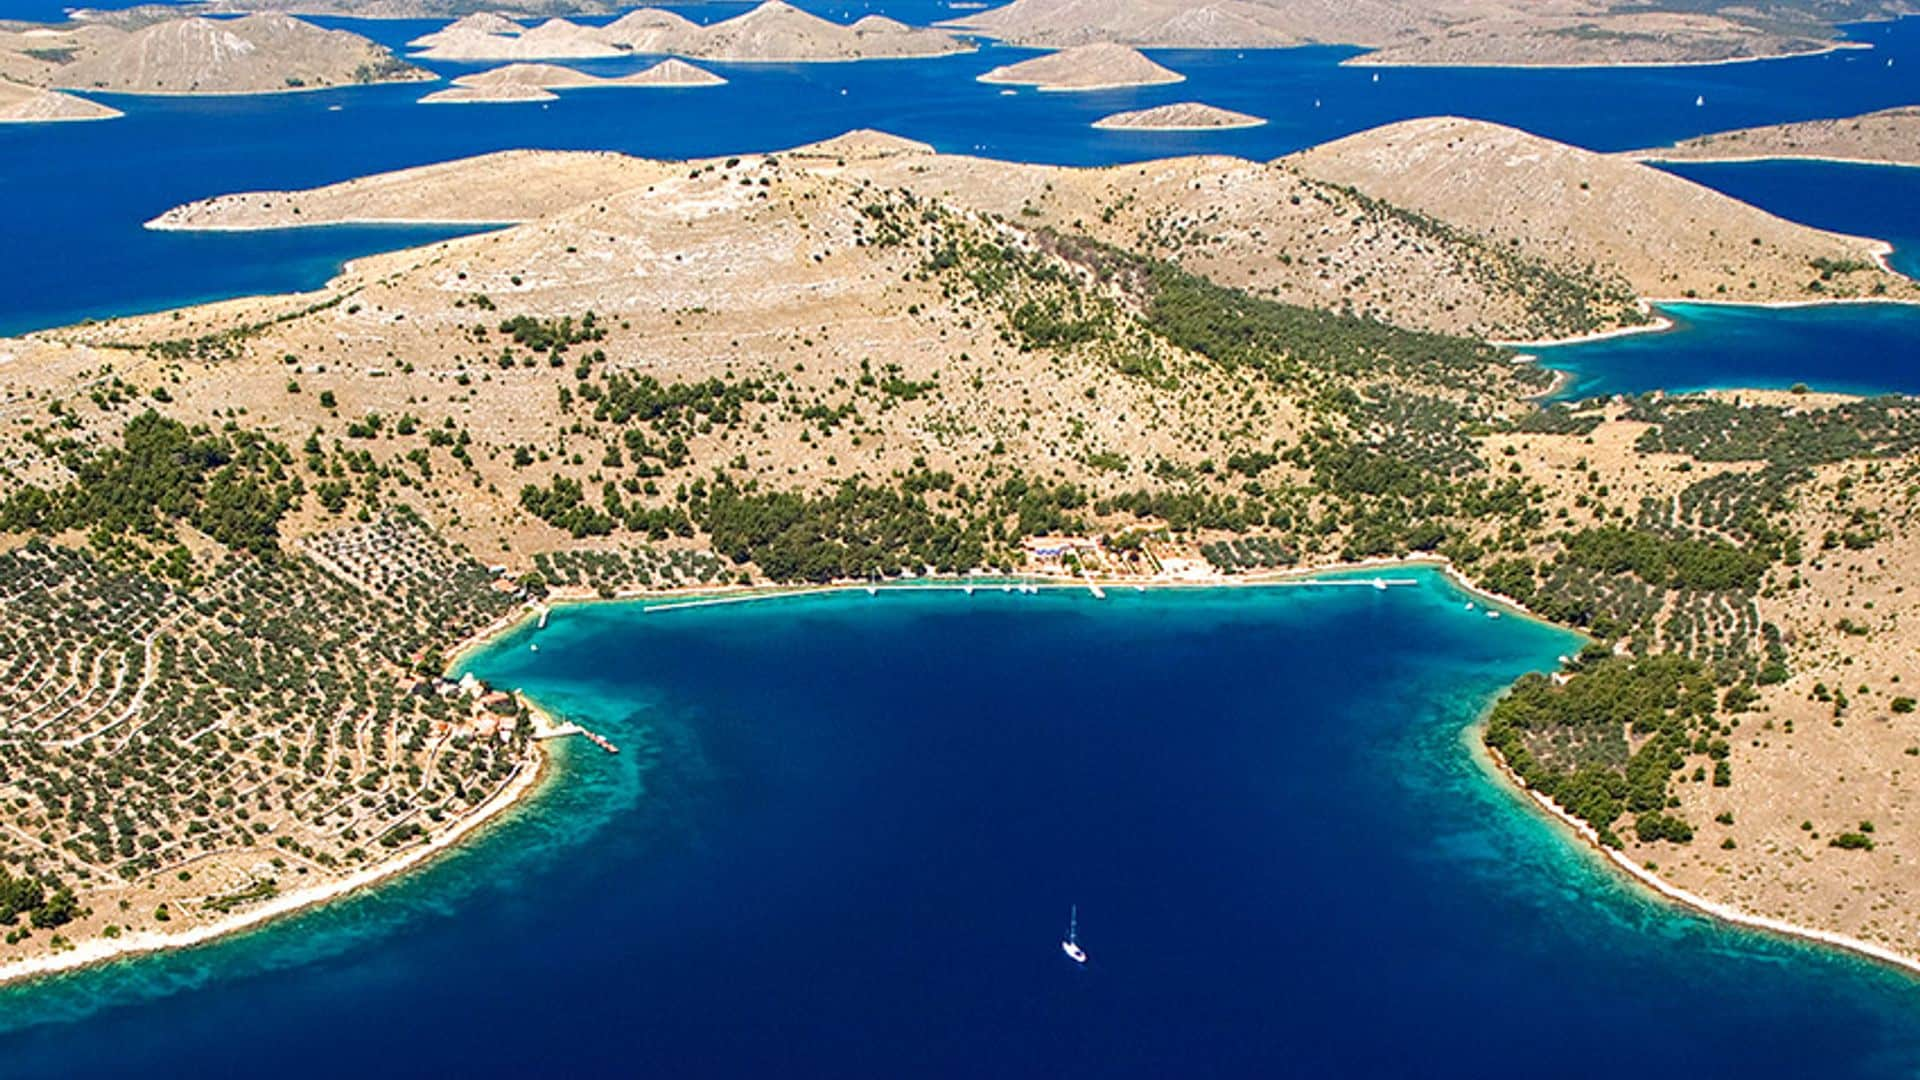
<point x="1846" y="348"/>
<point x="844" y="833"/>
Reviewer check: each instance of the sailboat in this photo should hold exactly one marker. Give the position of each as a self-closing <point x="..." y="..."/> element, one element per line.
<point x="1071" y="946"/>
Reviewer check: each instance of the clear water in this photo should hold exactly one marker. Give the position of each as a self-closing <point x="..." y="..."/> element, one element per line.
<point x="844" y="832"/>
<point x="1845" y="348"/>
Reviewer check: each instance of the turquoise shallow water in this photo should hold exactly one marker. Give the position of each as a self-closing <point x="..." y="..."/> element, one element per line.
<point x="844" y="832"/>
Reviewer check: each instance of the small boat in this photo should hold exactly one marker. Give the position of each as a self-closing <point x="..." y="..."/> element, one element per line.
<point x="1699" y="101"/>
<point x="1071" y="944"/>
<point x="1376" y="76"/>
<point x="1379" y="584"/>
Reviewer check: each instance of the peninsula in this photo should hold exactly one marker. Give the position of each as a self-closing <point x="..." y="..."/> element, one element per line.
<point x="1887" y="137"/>
<point x="240" y="542"/>
<point x="31" y="105"/>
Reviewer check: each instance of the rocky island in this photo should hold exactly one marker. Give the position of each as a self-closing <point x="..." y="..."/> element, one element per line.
<point x="1181" y="116"/>
<point x="1085" y="67"/>
<point x="773" y="32"/>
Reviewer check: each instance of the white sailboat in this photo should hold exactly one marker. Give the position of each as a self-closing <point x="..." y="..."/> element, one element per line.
<point x="1071" y="945"/>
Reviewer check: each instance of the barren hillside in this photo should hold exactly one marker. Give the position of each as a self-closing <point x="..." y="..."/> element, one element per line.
<point x="1180" y="116"/>
<point x="773" y="32"/>
<point x="250" y="55"/>
<point x="1310" y="230"/>
<point x="1085" y="67"/>
<point x="1891" y="135"/>
<point x="1495" y="32"/>
<point x="21" y="104"/>
<point x="1667" y="236"/>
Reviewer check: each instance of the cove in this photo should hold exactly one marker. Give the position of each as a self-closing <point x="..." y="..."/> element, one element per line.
<point x="844" y="832"/>
<point x="1844" y="348"/>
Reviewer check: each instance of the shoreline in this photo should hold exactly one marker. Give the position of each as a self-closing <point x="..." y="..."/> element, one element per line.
<point x="1101" y="125"/>
<point x="157" y="225"/>
<point x="1588" y="65"/>
<point x="1656" y="157"/>
<point x="539" y="767"/>
<point x="107" y="91"/>
<point x="526" y="779"/>
<point x="1490" y="760"/>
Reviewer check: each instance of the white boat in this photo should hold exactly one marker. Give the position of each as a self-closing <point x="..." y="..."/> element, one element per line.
<point x="1071" y="944"/>
<point x="1699" y="101"/>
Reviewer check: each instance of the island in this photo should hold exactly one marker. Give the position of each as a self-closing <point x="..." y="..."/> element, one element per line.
<point x="773" y="32"/>
<point x="1085" y="67"/>
<point x="535" y="82"/>
<point x="1887" y="137"/>
<point x="1440" y="32"/>
<point x="1180" y="116"/>
<point x="254" y="54"/>
<point x="243" y="545"/>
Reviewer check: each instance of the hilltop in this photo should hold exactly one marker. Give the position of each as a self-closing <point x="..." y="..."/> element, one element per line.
<point x="1668" y="237"/>
<point x="1890" y="136"/>
<point x="773" y="32"/>
<point x="1085" y="67"/>
<point x="250" y="55"/>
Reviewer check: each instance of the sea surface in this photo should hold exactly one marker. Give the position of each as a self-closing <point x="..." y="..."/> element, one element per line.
<point x="1844" y="348"/>
<point x="844" y="832"/>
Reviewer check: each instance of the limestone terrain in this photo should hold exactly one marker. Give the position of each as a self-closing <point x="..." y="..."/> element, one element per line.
<point x="1889" y="136"/>
<point x="1085" y="67"/>
<point x="535" y="82"/>
<point x="1454" y="32"/>
<point x="1317" y="229"/>
<point x="249" y="55"/>
<point x="1180" y="116"/>
<point x="773" y="32"/>
<point x="1541" y="197"/>
<point x="31" y="105"/>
